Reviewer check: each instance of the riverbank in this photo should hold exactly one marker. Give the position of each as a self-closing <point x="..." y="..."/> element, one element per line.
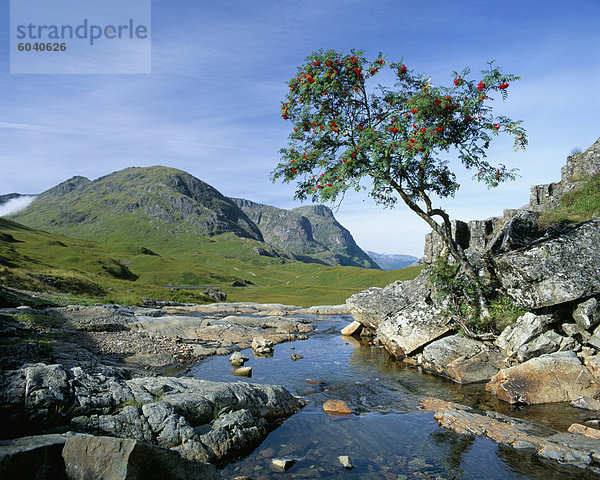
<point x="68" y="372"/>
<point x="73" y="371"/>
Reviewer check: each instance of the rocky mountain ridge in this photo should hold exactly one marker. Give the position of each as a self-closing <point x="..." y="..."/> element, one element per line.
<point x="310" y="233"/>
<point x="138" y="202"/>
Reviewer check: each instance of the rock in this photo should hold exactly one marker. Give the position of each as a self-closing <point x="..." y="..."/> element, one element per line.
<point x="328" y="310"/>
<point x="547" y="342"/>
<point x="237" y="359"/>
<point x="570" y="329"/>
<point x="233" y="434"/>
<point x="583" y="430"/>
<point x="587" y="314"/>
<point x="530" y="336"/>
<point x="215" y="293"/>
<point x="519" y="231"/>
<point x="284" y="463"/>
<point x="37" y="457"/>
<point x="586" y="403"/>
<point x="336" y="407"/>
<point x="553" y="271"/>
<point x="462" y="359"/>
<point x="262" y="346"/>
<point x="412" y="328"/>
<point x="345" y="461"/>
<point x="295" y="357"/>
<point x="242" y="372"/>
<point x="592" y="363"/>
<point x="565" y="448"/>
<point x="375" y="305"/>
<point x="353" y="328"/>
<point x="45" y="385"/>
<point x="434" y="246"/>
<point x="526" y="328"/>
<point x="119" y="458"/>
<point x="594" y="339"/>
<point x="403" y="314"/>
<point x="557" y="377"/>
<point x="158" y="410"/>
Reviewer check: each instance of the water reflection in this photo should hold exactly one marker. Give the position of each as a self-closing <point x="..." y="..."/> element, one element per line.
<point x="390" y="437"/>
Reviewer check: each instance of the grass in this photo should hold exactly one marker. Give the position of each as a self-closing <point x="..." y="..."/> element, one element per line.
<point x="577" y="206"/>
<point x="123" y="272"/>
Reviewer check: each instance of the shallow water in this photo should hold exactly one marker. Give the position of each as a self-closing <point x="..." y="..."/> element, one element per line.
<point x="389" y="437"/>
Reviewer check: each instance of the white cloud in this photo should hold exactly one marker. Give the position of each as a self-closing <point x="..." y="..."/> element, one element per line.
<point x="16" y="204"/>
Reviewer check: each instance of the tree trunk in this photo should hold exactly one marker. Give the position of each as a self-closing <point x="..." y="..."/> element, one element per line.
<point x="445" y="233"/>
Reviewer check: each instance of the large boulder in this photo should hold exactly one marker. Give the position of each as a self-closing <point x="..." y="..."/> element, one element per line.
<point x="587" y="314"/>
<point x="531" y="336"/>
<point x="556" y="377"/>
<point x="518" y="231"/>
<point x="403" y="315"/>
<point x="412" y="328"/>
<point x="554" y="271"/>
<point x="37" y="458"/>
<point x="121" y="458"/>
<point x="461" y="358"/>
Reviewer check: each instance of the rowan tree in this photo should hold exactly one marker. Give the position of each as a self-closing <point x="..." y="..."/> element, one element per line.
<point x="348" y="132"/>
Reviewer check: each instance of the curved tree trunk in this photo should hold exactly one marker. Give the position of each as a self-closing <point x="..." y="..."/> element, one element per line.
<point x="445" y="233"/>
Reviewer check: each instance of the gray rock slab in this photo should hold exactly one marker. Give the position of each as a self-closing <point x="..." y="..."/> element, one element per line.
<point x="112" y="458"/>
<point x="554" y="271"/>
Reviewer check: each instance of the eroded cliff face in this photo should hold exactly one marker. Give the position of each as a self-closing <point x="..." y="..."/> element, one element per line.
<point x="551" y="273"/>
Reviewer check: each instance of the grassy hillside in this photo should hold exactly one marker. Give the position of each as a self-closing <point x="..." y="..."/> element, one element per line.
<point x="171" y="210"/>
<point x="124" y="272"/>
<point x="576" y="206"/>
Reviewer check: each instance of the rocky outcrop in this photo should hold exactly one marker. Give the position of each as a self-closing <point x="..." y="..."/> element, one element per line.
<point x="310" y="234"/>
<point x="556" y="377"/>
<point x="578" y="167"/>
<point x="403" y="315"/>
<point x="462" y="359"/>
<point x="373" y="306"/>
<point x="555" y="271"/>
<point x="566" y="448"/>
<point x="206" y="421"/>
<point x="87" y="457"/>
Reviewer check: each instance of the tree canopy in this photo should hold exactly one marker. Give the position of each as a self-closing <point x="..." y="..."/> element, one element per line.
<point x="348" y="132"/>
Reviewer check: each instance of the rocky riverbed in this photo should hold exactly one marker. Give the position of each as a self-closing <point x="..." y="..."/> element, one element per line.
<point x="71" y="372"/>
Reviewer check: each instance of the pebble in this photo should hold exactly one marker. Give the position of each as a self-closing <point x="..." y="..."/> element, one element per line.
<point x="283" y="463"/>
<point x="345" y="461"/>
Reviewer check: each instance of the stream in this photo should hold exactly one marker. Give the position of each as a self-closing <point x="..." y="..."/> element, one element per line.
<point x="389" y="437"/>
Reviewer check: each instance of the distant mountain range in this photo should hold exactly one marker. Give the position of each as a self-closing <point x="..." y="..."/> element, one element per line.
<point x="388" y="261"/>
<point x="160" y="204"/>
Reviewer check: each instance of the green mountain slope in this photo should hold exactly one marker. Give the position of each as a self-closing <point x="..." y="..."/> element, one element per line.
<point x="122" y="272"/>
<point x="138" y="202"/>
<point x="171" y="210"/>
<point x="309" y="233"/>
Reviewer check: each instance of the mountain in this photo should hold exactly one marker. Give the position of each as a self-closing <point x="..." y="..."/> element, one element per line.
<point x="10" y="196"/>
<point x="136" y="200"/>
<point x="392" y="261"/>
<point x="309" y="233"/>
<point x="171" y="210"/>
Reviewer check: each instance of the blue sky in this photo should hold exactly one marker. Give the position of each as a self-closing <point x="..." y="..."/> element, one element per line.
<point x="219" y="71"/>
